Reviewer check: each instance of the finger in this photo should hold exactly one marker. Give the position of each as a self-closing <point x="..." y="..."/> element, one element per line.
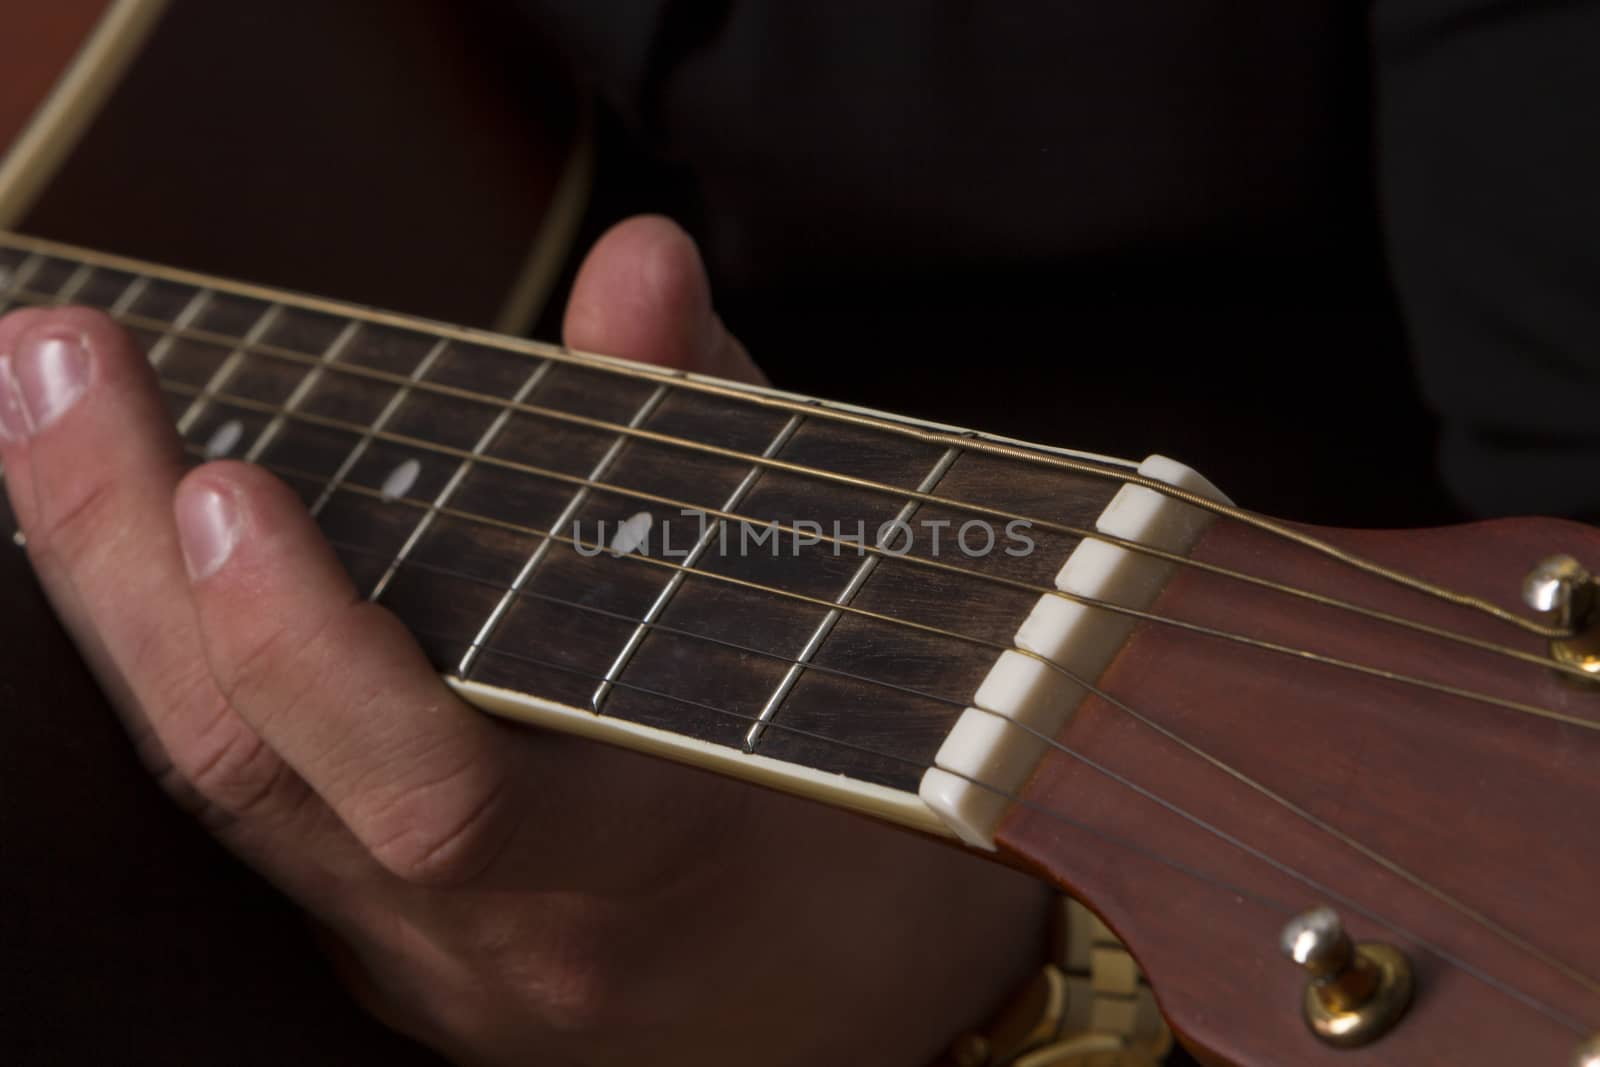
<point x="336" y="685"/>
<point x="92" y="462"/>
<point x="642" y="294"/>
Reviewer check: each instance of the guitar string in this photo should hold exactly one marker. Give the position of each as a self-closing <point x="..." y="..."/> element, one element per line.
<point x="944" y="438"/>
<point x="1099" y="469"/>
<point x="966" y="443"/>
<point x="1282" y="909"/>
<point x="1494" y="928"/>
<point x="1158" y="486"/>
<point x="773" y="463"/>
<point x="247" y="403"/>
<point x="353" y="370"/>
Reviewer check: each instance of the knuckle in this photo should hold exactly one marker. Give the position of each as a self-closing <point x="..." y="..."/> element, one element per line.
<point x="229" y="765"/>
<point x="438" y="834"/>
<point x="76" y="526"/>
<point x="276" y="670"/>
<point x="429" y="810"/>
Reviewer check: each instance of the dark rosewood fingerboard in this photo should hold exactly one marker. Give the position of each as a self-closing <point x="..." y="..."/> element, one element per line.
<point x="465" y="485"/>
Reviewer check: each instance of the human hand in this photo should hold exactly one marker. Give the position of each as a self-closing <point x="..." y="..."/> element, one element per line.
<point x="500" y="893"/>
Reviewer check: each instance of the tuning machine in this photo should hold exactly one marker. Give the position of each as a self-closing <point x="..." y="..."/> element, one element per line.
<point x="1356" y="993"/>
<point x="1565" y="593"/>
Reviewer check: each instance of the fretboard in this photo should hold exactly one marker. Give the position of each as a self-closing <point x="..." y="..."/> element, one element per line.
<point x="767" y="584"/>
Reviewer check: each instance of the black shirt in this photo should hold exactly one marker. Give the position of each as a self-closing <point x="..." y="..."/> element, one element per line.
<point x="1238" y="233"/>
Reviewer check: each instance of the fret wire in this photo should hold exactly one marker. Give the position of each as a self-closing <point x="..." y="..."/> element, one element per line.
<point x="567" y="515"/>
<point x="462" y="469"/>
<point x="132" y="293"/>
<point x="1100" y="467"/>
<point x="862" y="572"/>
<point x="670" y="589"/>
<point x="981" y="509"/>
<point x="171" y="331"/>
<point x="15" y="283"/>
<point x="1114" y="702"/>
<point x="648" y="624"/>
<point x="523" y="657"/>
<point x="308" y="381"/>
<point x="213" y="387"/>
<point x="365" y="442"/>
<point x="75" y="281"/>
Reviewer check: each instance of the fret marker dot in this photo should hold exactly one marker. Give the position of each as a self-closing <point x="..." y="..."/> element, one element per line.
<point x="401" y="479"/>
<point x="224" y="439"/>
<point x="631" y="533"/>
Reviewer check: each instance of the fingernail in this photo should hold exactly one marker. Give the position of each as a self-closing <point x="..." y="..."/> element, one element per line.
<point x="50" y="369"/>
<point x="208" y="528"/>
<point x="13" y="420"/>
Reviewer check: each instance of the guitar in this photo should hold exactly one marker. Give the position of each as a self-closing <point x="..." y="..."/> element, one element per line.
<point x="1329" y="785"/>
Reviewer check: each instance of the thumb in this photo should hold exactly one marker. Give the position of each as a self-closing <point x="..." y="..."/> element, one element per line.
<point x="642" y="294"/>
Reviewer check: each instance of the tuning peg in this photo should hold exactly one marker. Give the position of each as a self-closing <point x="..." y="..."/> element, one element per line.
<point x="1564" y="591"/>
<point x="1561" y="588"/>
<point x="1356" y="992"/>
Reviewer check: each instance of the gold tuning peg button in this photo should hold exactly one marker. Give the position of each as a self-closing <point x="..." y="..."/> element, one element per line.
<point x="1355" y="992"/>
<point x="1566" y="594"/>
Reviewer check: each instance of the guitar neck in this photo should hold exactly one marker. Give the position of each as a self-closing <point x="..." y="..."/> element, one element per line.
<point x="782" y="589"/>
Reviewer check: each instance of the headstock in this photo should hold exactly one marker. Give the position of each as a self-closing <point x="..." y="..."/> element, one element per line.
<point x="1429" y="779"/>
